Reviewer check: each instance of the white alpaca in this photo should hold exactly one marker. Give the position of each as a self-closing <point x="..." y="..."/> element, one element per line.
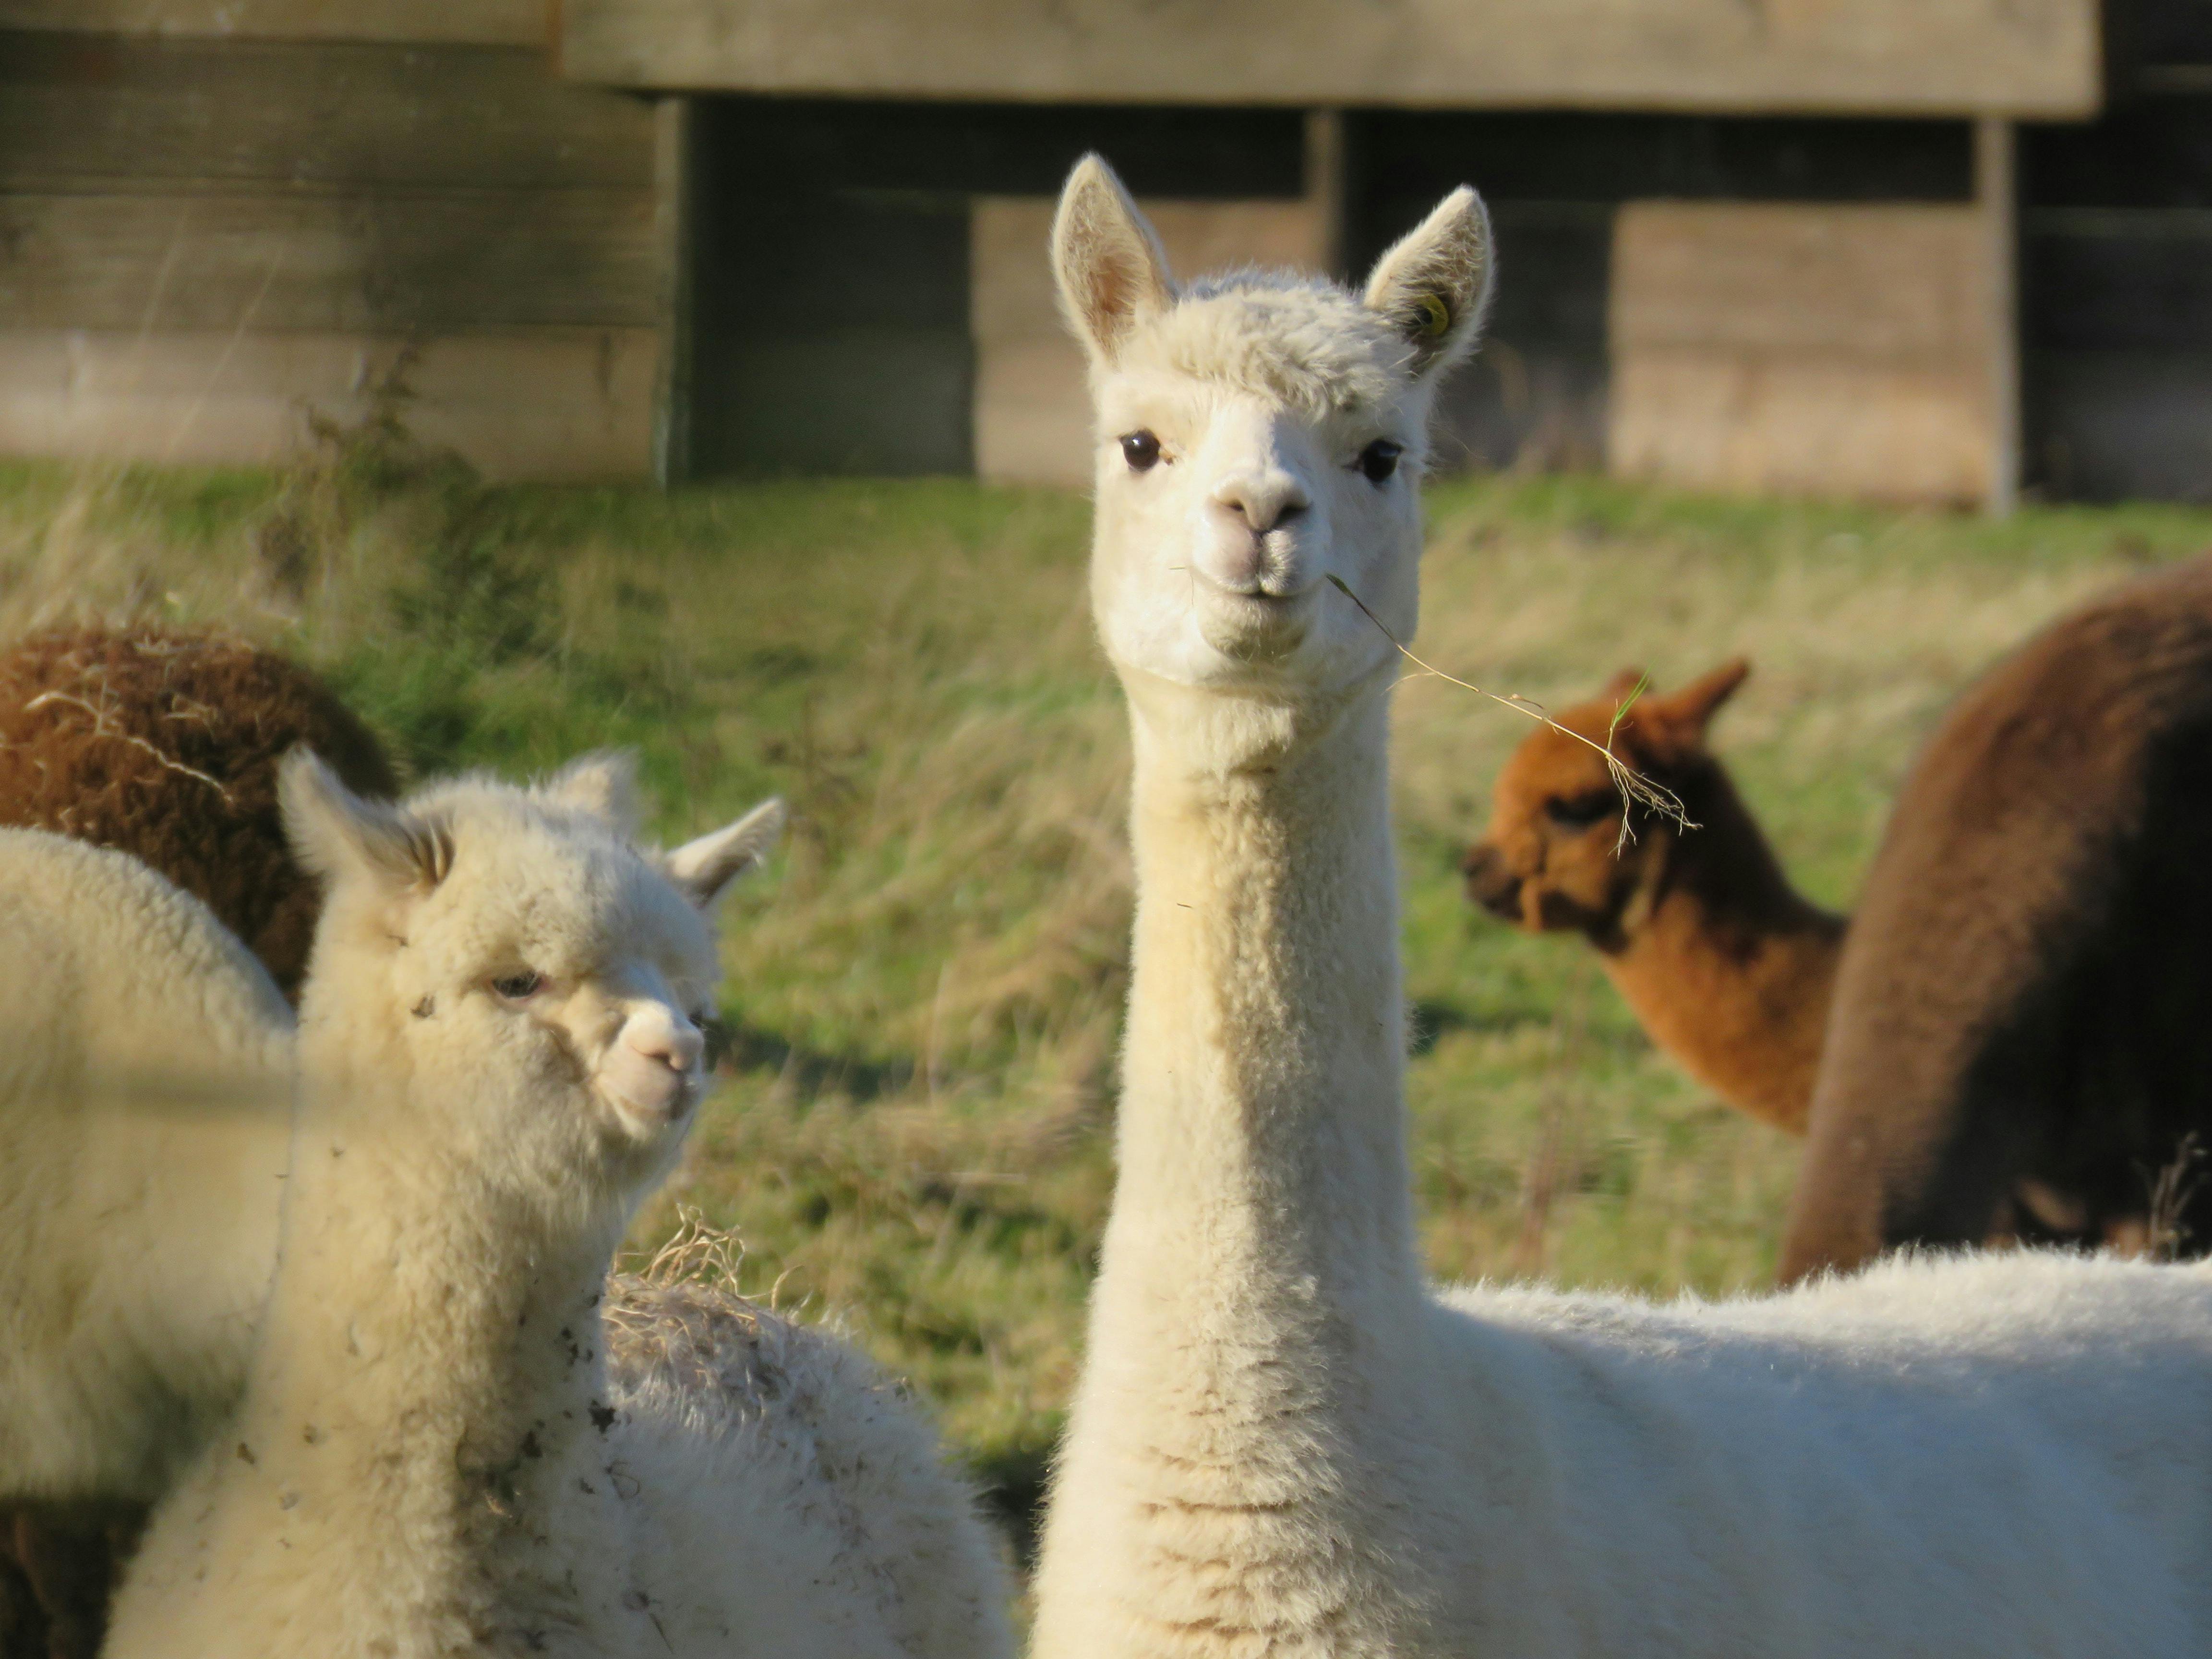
<point x="1283" y="1441"/>
<point x="498" y="1055"/>
<point x="145" y="1099"/>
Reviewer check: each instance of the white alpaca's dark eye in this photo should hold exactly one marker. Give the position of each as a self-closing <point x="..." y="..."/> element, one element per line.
<point x="519" y="988"/>
<point x="1141" y="449"/>
<point x="1379" y="459"/>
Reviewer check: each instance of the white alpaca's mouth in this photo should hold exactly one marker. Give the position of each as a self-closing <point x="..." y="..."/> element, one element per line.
<point x="1259" y="624"/>
<point x="650" y="1105"/>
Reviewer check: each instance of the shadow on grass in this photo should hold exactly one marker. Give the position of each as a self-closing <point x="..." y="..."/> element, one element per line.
<point x="1012" y="1483"/>
<point x="1430" y="1020"/>
<point x="808" y="1074"/>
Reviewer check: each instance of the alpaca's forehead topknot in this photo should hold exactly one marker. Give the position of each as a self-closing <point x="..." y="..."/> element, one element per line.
<point x="1309" y="345"/>
<point x="525" y="865"/>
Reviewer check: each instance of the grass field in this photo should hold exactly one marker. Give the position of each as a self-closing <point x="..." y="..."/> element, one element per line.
<point x="915" y="1133"/>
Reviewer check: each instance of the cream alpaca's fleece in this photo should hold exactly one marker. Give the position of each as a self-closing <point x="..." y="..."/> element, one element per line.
<point x="145" y="1062"/>
<point x="1284" y="1441"/>
<point x="499" y="1055"/>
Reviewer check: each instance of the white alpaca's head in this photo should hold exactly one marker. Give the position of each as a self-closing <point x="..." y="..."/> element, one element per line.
<point x="515" y="949"/>
<point x="1257" y="434"/>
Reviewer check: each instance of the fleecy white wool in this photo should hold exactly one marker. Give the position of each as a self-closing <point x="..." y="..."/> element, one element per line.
<point x="1284" y="1441"/>
<point x="145" y="1090"/>
<point x="434" y="1455"/>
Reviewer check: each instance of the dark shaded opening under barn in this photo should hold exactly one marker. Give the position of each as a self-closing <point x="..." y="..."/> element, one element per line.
<point x="830" y="323"/>
<point x="831" y="259"/>
<point x="830" y="278"/>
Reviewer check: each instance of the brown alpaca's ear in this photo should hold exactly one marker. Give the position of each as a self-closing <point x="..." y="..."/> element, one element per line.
<point x="1106" y="260"/>
<point x="1686" y="711"/>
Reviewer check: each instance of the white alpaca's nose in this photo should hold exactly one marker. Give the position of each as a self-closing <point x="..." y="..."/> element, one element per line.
<point x="1264" y="498"/>
<point x="651" y="1062"/>
<point x="666" y="1036"/>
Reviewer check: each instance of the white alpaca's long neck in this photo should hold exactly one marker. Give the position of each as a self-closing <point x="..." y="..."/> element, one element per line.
<point x="1262" y="1217"/>
<point x="431" y="1377"/>
<point x="1227" y="1483"/>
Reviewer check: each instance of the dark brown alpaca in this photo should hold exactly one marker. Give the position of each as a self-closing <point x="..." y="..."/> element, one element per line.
<point x="1725" y="966"/>
<point x="165" y="745"/>
<point x="2021" y="1037"/>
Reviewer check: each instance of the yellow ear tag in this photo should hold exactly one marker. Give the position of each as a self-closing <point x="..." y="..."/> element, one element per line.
<point x="1433" y="316"/>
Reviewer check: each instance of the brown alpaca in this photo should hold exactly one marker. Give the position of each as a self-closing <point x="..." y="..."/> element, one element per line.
<point x="1726" y="967"/>
<point x="2020" y="1038"/>
<point x="165" y="745"/>
<point x="162" y="744"/>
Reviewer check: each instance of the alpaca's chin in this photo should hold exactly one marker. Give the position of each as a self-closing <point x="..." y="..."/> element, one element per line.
<point x="647" y="1114"/>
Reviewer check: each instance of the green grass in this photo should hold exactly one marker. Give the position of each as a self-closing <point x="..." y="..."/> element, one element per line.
<point x="914" y="1138"/>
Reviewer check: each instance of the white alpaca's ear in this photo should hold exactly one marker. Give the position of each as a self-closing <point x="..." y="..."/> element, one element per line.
<point x="603" y="783"/>
<point x="335" y="834"/>
<point x="1106" y="259"/>
<point x="1435" y="283"/>
<point x="705" y="867"/>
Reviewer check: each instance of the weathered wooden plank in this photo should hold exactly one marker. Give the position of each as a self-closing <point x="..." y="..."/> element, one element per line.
<point x="1997" y="207"/>
<point x="551" y="404"/>
<point x="2029" y="56"/>
<point x="482" y="22"/>
<point x="1871" y="282"/>
<point x="1032" y="412"/>
<point x="85" y="112"/>
<point x="395" y="263"/>
<point x="676" y="258"/>
<point x="1833" y="349"/>
<point x="1802" y="423"/>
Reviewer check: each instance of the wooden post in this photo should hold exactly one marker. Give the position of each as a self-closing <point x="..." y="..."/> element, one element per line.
<point x="1325" y="187"/>
<point x="675" y="123"/>
<point x="1997" y="194"/>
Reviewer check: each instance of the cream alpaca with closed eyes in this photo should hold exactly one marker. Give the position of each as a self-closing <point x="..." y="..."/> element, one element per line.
<point x="1284" y="1441"/>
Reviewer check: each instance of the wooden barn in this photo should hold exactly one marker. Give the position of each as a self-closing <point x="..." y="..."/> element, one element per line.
<point x="1917" y="250"/>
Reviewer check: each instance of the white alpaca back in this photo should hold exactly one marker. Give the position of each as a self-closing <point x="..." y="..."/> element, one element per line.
<point x="144" y="1077"/>
<point x="782" y="1419"/>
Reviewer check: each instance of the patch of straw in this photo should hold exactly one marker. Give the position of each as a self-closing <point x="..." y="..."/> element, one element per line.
<point x="1653" y="797"/>
<point x="102" y="728"/>
<point x="2171" y="1195"/>
<point x="695" y="1253"/>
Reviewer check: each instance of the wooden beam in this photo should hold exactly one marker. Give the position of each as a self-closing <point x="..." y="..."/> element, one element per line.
<point x="84" y="113"/>
<point x="425" y="262"/>
<point x="676" y="259"/>
<point x="1996" y="198"/>
<point x="1325" y="185"/>
<point x="449" y="22"/>
<point x="2039" y="57"/>
<point x="548" y="404"/>
<point x="1840" y="350"/>
<point x="1873" y="280"/>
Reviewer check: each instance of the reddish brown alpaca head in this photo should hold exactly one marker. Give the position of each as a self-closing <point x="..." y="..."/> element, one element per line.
<point x="1554" y="858"/>
<point x="1729" y="968"/>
